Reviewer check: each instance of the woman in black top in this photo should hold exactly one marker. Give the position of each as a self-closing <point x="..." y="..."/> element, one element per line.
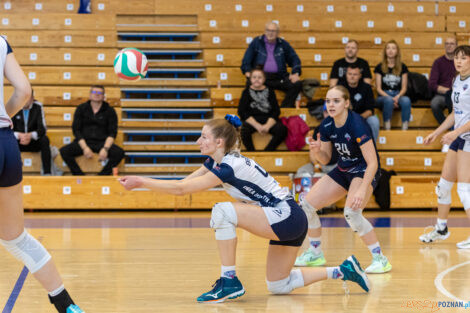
<point x="259" y="111"/>
<point x="391" y="81"/>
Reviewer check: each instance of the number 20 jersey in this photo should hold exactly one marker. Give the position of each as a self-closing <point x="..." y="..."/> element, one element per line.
<point x="347" y="140"/>
<point x="461" y="104"/>
<point x="246" y="181"/>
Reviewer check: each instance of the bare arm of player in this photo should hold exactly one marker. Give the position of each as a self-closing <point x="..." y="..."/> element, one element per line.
<point x="199" y="172"/>
<point x="320" y="150"/>
<point x="451" y="136"/>
<point x="448" y="123"/>
<point x="378" y="85"/>
<point x="174" y="187"/>
<point x="368" y="152"/>
<point x="17" y="78"/>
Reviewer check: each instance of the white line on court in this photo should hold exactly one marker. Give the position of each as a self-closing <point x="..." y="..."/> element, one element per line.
<point x="440" y="277"/>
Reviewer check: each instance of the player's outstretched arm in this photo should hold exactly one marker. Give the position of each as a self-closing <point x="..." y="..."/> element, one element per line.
<point x="448" y="123"/>
<point x="199" y="172"/>
<point x="17" y="78"/>
<point x="174" y="187"/>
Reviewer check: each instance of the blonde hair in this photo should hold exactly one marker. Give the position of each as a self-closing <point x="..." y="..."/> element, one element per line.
<point x="221" y="128"/>
<point x="343" y="90"/>
<point x="398" y="65"/>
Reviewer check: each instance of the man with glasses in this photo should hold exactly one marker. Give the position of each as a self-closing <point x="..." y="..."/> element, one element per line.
<point x="440" y="81"/>
<point x="273" y="54"/>
<point x="95" y="127"/>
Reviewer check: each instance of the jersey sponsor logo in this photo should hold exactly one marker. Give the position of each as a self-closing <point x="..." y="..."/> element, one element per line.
<point x="359" y="140"/>
<point x="347" y="136"/>
<point x="465" y="87"/>
<point x="334" y="136"/>
<point x="278" y="212"/>
<point x="328" y="124"/>
<point x="458" y="111"/>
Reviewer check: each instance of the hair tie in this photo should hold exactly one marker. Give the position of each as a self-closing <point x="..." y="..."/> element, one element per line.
<point x="234" y="120"/>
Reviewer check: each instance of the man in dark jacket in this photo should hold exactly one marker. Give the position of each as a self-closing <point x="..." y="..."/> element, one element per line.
<point x="29" y="126"/>
<point x="95" y="128"/>
<point x="273" y="54"/>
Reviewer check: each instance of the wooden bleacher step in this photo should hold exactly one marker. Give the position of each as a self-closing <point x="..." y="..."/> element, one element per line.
<point x="178" y="117"/>
<point x="171" y="58"/>
<point x="165" y="97"/>
<point x="166" y="162"/>
<point x="161" y="140"/>
<point x="152" y="40"/>
<point x="177" y="22"/>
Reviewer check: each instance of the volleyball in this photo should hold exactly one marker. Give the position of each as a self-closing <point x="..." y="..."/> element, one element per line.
<point x="130" y="64"/>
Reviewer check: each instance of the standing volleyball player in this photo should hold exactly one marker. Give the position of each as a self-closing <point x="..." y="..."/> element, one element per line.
<point x="457" y="163"/>
<point x="263" y="208"/>
<point x="13" y="235"/>
<point x="356" y="175"/>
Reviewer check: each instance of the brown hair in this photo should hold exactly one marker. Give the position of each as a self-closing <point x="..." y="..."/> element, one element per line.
<point x="464" y="49"/>
<point x="398" y="65"/>
<point x="355" y="41"/>
<point x="221" y="128"/>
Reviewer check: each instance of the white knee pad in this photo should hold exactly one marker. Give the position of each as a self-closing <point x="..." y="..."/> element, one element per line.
<point x="28" y="250"/>
<point x="224" y="220"/>
<point x="463" y="189"/>
<point x="357" y="221"/>
<point x="286" y="285"/>
<point x="312" y="215"/>
<point x="444" y="191"/>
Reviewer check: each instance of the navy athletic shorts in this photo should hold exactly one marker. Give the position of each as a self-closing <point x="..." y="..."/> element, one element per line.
<point x="460" y="144"/>
<point x="292" y="230"/>
<point x="11" y="172"/>
<point x="344" y="179"/>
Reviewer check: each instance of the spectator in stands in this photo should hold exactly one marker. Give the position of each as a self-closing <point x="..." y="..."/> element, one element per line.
<point x="272" y="53"/>
<point x="29" y="127"/>
<point x="259" y="111"/>
<point x="95" y="127"/>
<point x="338" y="72"/>
<point x="391" y="83"/>
<point x="362" y="98"/>
<point x="442" y="73"/>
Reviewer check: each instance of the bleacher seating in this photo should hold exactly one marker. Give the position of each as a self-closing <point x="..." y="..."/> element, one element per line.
<point x="194" y="50"/>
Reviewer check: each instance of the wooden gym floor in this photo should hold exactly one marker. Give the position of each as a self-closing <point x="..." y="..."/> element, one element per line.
<point x="160" y="262"/>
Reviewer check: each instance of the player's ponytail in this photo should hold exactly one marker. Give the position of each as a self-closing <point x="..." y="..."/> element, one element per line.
<point x="227" y="129"/>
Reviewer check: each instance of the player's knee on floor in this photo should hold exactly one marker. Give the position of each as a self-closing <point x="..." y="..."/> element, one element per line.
<point x="28" y="250"/>
<point x="286" y="285"/>
<point x="444" y="191"/>
<point x="463" y="189"/>
<point x="224" y="220"/>
<point x="312" y="215"/>
<point x="357" y="221"/>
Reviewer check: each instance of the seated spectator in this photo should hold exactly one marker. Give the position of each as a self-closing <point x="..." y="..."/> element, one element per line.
<point x="95" y="128"/>
<point x="273" y="54"/>
<point x="338" y="72"/>
<point x="442" y="74"/>
<point x="362" y="98"/>
<point x="259" y="111"/>
<point x="29" y="126"/>
<point x="391" y="83"/>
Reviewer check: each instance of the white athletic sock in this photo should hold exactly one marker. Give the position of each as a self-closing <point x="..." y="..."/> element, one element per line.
<point x="55" y="292"/>
<point x="441" y="224"/>
<point x="375" y="249"/>
<point x="315" y="244"/>
<point x="227" y="271"/>
<point x="334" y="272"/>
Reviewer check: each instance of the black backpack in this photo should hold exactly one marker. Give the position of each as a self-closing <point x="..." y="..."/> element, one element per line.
<point x="382" y="191"/>
<point x="418" y="87"/>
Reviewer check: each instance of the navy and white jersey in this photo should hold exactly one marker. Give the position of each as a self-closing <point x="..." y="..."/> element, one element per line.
<point x="246" y="181"/>
<point x="347" y="140"/>
<point x="461" y="103"/>
<point x="5" y="49"/>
